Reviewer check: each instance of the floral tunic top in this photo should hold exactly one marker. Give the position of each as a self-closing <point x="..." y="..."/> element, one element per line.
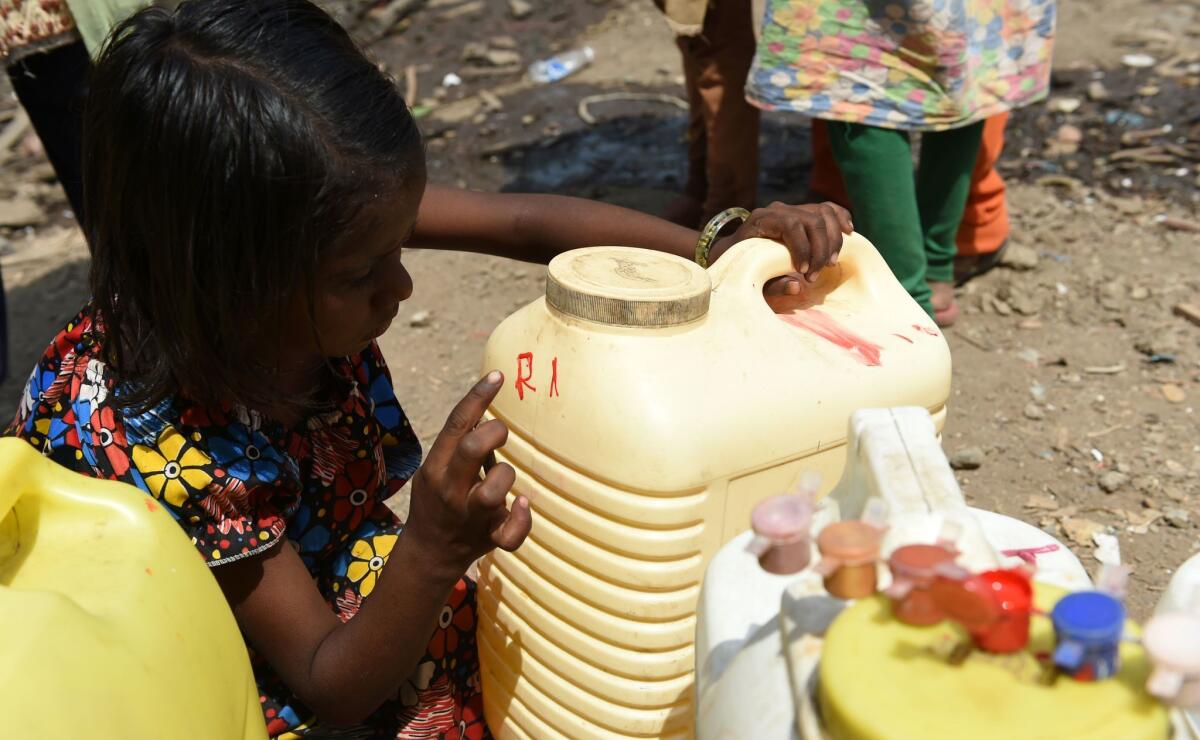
<point x="911" y="65"/>
<point x="237" y="483"/>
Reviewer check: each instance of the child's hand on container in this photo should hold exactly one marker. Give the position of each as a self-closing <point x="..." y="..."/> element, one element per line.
<point x="813" y="234"/>
<point x="458" y="507"/>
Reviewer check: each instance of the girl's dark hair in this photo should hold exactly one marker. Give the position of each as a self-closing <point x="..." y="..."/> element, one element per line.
<point x="225" y="146"/>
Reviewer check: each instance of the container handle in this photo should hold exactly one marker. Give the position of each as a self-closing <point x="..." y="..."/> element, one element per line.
<point x="750" y="264"/>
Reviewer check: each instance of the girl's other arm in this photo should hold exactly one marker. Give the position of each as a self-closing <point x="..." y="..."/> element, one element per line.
<point x="535" y="228"/>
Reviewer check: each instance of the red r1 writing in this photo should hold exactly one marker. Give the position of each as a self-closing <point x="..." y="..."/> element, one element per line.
<point x="525" y="375"/>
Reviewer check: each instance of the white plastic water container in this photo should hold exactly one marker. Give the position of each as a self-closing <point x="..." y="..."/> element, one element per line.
<point x="751" y="681"/>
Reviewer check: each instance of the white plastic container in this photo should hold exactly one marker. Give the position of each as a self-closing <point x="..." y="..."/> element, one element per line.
<point x="751" y="680"/>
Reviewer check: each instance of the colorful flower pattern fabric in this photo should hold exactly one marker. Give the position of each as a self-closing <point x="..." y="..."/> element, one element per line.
<point x="914" y="65"/>
<point x="237" y="483"/>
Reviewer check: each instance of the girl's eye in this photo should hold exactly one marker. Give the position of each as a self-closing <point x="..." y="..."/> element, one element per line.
<point x="361" y="277"/>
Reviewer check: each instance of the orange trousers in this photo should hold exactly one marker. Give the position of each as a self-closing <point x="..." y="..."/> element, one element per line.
<point x="984" y="226"/>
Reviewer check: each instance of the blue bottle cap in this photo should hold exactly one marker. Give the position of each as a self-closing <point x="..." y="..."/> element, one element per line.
<point x="1090" y="617"/>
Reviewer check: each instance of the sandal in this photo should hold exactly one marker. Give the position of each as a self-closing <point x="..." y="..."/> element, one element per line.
<point x="969" y="267"/>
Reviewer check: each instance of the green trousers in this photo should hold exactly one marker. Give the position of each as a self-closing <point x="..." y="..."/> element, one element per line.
<point x="912" y="222"/>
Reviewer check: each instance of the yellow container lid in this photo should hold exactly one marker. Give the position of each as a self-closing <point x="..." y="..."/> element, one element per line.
<point x="882" y="679"/>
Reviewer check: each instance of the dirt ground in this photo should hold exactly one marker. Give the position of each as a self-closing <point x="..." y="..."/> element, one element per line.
<point x="1072" y="375"/>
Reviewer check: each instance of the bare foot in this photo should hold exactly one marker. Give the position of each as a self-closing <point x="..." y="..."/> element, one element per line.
<point x="945" y="308"/>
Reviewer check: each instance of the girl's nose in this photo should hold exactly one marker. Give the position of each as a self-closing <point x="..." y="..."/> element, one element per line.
<point x="395" y="283"/>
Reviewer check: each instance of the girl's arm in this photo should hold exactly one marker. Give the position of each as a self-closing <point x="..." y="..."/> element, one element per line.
<point x="345" y="671"/>
<point x="535" y="228"/>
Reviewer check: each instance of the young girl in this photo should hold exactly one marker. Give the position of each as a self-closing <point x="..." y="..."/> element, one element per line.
<point x="251" y="180"/>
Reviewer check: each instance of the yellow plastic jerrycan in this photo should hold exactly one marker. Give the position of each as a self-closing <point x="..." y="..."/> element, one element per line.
<point x="111" y="626"/>
<point x="651" y="404"/>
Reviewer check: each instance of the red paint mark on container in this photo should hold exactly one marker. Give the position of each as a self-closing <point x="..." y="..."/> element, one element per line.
<point x="150" y="505"/>
<point x="903" y="337"/>
<point x="1029" y="554"/>
<point x="524" y="374"/>
<point x="554" y="377"/>
<point x="926" y="330"/>
<point x="826" y="328"/>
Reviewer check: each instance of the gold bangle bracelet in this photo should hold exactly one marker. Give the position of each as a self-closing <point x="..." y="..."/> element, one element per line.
<point x="712" y="228"/>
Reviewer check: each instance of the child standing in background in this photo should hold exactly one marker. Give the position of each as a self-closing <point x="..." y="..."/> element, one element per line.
<point x="985" y="228"/>
<point x="251" y="181"/>
<point x="716" y="43"/>
<point x="876" y="71"/>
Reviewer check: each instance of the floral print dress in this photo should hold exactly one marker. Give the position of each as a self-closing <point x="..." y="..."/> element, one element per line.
<point x="915" y="65"/>
<point x="237" y="483"/>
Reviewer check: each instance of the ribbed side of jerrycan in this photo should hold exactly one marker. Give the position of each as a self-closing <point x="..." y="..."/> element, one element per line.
<point x="651" y="405"/>
<point x="111" y="626"/>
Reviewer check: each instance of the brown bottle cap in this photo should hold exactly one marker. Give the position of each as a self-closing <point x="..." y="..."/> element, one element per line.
<point x="851" y="542"/>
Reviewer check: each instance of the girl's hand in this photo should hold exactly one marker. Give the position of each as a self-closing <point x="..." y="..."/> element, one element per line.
<point x="813" y="234"/>
<point x="458" y="506"/>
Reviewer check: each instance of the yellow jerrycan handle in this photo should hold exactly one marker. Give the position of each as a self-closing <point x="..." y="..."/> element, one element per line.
<point x="111" y="626"/>
<point x="748" y="265"/>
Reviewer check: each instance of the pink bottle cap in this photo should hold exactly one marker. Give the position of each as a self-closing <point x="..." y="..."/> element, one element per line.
<point x="782" y="519"/>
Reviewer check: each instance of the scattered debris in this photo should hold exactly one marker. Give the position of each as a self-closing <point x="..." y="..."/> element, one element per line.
<point x="420" y="319"/>
<point x="1080" y="531"/>
<point x="381" y="20"/>
<point x="1030" y="357"/>
<point x="1179" y="224"/>
<point x="491" y="101"/>
<point x="410" y="84"/>
<point x="1019" y="257"/>
<point x="1105" y="432"/>
<point x="1105" y="369"/>
<point x="586" y="103"/>
<point x="1138" y="61"/>
<point x="469" y="8"/>
<point x="520" y="9"/>
<point x="1189" y="311"/>
<point x="1066" y="141"/>
<point x="21" y="212"/>
<point x="1034" y="412"/>
<point x="13" y="132"/>
<point x="561" y="65"/>
<point x="968" y="458"/>
<point x="1173" y="393"/>
<point x="1041" y="502"/>
<point x="487" y="55"/>
<point x="1113" y="481"/>
<point x="1177" y="517"/>
<point x="1064" y="105"/>
<point x="1140" y="521"/>
<point x="1162" y="342"/>
<point x="1108" y="549"/>
<point x="1097" y="91"/>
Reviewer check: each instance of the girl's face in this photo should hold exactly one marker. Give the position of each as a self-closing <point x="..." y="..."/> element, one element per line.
<point x="359" y="284"/>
